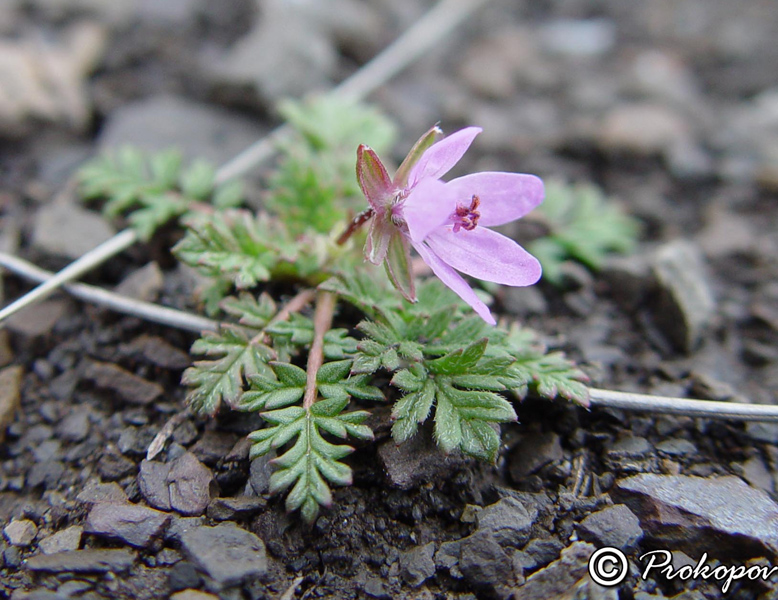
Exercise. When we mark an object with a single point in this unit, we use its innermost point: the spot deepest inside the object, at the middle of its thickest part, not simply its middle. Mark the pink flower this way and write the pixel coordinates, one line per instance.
(447, 223)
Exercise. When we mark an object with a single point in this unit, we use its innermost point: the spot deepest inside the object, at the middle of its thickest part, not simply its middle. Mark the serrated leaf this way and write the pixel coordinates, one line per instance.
(197, 181)
(411, 411)
(459, 361)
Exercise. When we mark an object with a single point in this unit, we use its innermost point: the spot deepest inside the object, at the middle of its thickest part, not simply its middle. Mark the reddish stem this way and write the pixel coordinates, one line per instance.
(322, 320)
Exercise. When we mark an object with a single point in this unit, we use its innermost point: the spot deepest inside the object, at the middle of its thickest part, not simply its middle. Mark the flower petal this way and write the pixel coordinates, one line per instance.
(504, 197)
(373, 179)
(454, 281)
(428, 207)
(485, 254)
(443, 155)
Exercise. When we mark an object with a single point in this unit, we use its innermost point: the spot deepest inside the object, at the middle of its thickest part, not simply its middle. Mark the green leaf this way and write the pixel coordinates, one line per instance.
(198, 180)
(458, 361)
(583, 225)
(411, 411)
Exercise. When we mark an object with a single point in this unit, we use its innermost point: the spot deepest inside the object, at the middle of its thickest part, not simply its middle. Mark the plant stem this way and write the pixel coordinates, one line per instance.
(322, 320)
(355, 224)
(129, 306)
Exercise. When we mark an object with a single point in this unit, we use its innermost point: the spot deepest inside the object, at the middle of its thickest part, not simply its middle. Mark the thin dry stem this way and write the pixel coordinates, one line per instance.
(322, 321)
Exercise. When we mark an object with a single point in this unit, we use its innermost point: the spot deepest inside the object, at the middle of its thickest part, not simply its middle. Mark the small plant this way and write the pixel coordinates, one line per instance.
(313, 375)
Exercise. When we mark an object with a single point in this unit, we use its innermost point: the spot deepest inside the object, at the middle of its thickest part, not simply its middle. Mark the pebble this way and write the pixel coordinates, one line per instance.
(644, 129)
(68, 230)
(615, 526)
(46, 474)
(143, 284)
(132, 524)
(677, 447)
(95, 492)
(542, 552)
(213, 446)
(193, 595)
(197, 130)
(75, 426)
(112, 466)
(416, 564)
(414, 462)
(157, 351)
(686, 306)
(534, 451)
(20, 533)
(508, 520)
(578, 37)
(484, 564)
(226, 553)
(557, 579)
(260, 471)
(128, 386)
(183, 575)
(755, 472)
(153, 484)
(10, 398)
(83, 561)
(230, 509)
(189, 482)
(39, 319)
(62, 541)
(723, 514)
(629, 446)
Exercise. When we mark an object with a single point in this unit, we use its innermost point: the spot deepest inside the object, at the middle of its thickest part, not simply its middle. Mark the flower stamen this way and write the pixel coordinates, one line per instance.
(466, 217)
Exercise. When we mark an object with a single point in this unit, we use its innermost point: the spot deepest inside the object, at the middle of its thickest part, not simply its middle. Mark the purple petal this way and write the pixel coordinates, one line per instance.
(485, 254)
(442, 155)
(428, 206)
(373, 179)
(504, 197)
(454, 280)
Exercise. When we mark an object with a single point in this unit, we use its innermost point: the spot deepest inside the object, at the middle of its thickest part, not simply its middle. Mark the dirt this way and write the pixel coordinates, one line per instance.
(555, 88)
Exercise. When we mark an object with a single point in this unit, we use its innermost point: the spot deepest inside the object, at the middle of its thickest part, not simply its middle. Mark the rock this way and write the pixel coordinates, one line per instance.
(766, 433)
(213, 446)
(230, 509)
(83, 561)
(74, 427)
(524, 301)
(153, 483)
(578, 38)
(629, 279)
(128, 386)
(10, 397)
(484, 563)
(629, 446)
(197, 130)
(39, 319)
(132, 524)
(756, 474)
(726, 233)
(47, 474)
(193, 595)
(158, 352)
(676, 447)
(226, 553)
(662, 75)
(184, 575)
(416, 564)
(722, 514)
(143, 284)
(95, 492)
(20, 533)
(614, 526)
(542, 552)
(418, 460)
(508, 520)
(561, 576)
(644, 129)
(685, 307)
(260, 471)
(112, 466)
(135, 441)
(68, 230)
(447, 557)
(189, 482)
(62, 541)
(44, 80)
(534, 450)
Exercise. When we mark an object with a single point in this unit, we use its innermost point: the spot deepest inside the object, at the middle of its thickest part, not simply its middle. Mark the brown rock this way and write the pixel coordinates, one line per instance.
(10, 384)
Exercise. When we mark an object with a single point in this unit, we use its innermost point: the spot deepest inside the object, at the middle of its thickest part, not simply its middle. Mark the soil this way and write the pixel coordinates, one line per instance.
(671, 107)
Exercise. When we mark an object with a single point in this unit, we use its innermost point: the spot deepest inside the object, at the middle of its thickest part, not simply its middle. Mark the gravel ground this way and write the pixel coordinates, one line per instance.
(670, 106)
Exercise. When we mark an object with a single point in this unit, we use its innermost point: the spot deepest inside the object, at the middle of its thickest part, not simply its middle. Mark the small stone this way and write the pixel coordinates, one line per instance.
(189, 482)
(644, 129)
(83, 561)
(75, 426)
(676, 447)
(542, 552)
(10, 385)
(411, 463)
(62, 541)
(534, 451)
(416, 564)
(374, 588)
(686, 305)
(561, 576)
(447, 557)
(615, 526)
(46, 474)
(578, 37)
(39, 319)
(20, 533)
(95, 492)
(756, 474)
(260, 471)
(68, 230)
(183, 575)
(132, 524)
(723, 514)
(12, 557)
(157, 352)
(484, 563)
(193, 595)
(508, 520)
(226, 553)
(629, 446)
(73, 589)
(143, 284)
(112, 466)
(127, 385)
(153, 483)
(231, 509)
(213, 446)
(763, 432)
(629, 278)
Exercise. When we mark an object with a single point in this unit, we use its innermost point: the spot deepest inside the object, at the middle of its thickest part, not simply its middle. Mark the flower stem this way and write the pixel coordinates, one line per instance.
(322, 320)
(355, 224)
